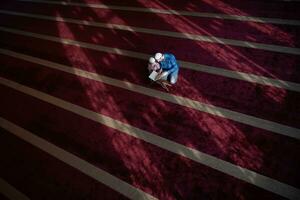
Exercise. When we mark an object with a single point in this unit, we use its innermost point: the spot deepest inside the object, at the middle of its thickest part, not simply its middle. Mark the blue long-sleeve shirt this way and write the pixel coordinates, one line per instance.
(169, 63)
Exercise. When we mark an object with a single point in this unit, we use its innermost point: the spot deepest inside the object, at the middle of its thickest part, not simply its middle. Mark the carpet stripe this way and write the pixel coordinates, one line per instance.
(244, 174)
(83, 166)
(214, 110)
(9, 191)
(189, 65)
(211, 39)
(175, 12)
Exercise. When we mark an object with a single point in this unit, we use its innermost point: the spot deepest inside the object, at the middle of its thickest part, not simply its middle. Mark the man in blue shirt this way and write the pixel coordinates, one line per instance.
(169, 66)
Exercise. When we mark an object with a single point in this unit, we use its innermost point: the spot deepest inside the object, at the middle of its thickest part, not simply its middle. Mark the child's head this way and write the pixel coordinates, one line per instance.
(151, 60)
(153, 65)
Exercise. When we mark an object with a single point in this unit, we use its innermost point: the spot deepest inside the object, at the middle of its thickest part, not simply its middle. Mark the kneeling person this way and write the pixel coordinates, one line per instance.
(155, 70)
(169, 66)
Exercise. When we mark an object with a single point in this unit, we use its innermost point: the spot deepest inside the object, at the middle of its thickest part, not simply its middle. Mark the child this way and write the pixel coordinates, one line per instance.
(154, 66)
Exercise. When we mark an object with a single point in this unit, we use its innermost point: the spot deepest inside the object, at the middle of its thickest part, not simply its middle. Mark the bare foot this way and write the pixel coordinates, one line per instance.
(165, 87)
(164, 84)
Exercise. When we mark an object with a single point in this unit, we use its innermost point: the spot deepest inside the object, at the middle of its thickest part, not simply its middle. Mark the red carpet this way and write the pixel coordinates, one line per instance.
(154, 170)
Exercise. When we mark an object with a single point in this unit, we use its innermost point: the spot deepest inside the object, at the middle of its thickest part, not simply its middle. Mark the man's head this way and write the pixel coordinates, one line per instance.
(159, 57)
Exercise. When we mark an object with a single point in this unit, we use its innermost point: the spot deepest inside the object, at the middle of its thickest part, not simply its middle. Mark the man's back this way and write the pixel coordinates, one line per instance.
(169, 62)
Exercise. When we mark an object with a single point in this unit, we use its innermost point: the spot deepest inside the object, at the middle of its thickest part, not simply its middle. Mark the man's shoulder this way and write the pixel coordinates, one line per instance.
(169, 55)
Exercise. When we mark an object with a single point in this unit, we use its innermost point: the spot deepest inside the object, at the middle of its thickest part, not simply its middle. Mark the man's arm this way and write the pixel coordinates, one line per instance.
(174, 65)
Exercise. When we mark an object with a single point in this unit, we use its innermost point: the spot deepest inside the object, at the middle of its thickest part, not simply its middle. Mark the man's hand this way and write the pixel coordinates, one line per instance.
(160, 75)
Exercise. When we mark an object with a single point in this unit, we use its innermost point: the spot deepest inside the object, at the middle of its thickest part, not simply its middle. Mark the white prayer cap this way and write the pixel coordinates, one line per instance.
(158, 56)
(151, 60)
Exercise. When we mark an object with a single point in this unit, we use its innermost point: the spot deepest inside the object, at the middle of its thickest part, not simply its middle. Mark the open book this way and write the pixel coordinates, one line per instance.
(153, 76)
